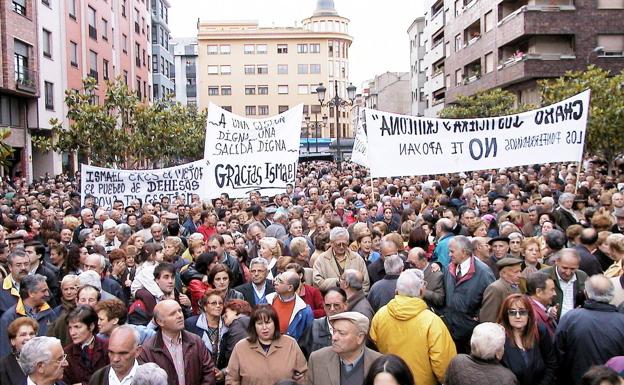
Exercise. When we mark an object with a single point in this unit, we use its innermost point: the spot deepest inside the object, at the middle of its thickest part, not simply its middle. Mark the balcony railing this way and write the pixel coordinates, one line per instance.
(26, 80)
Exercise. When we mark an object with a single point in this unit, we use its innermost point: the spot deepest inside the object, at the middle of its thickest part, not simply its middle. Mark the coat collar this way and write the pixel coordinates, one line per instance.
(299, 304)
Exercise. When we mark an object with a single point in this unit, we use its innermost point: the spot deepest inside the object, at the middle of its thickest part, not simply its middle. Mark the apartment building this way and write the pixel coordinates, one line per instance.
(262, 71)
(417, 73)
(513, 43)
(185, 63)
(162, 53)
(389, 92)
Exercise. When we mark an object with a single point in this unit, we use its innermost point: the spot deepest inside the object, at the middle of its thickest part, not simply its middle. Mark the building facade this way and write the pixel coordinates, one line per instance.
(163, 71)
(417, 73)
(389, 92)
(185, 63)
(258, 71)
(512, 44)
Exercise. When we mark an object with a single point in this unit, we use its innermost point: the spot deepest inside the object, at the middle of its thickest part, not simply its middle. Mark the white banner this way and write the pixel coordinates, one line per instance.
(359, 154)
(409, 145)
(108, 184)
(245, 155)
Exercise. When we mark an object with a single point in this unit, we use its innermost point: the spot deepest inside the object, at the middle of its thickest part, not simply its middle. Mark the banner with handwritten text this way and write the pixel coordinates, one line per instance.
(245, 155)
(107, 185)
(408, 145)
(359, 153)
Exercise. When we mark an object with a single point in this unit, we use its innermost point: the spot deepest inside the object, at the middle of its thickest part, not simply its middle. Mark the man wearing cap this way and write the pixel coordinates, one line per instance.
(500, 249)
(494, 295)
(406, 327)
(618, 227)
(348, 360)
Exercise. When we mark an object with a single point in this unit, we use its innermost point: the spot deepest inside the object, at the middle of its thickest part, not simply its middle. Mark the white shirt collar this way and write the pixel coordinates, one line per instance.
(465, 266)
(127, 380)
(561, 280)
(29, 381)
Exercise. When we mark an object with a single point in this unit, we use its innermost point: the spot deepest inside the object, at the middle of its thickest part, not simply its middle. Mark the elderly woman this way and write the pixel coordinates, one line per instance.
(266, 356)
(529, 351)
(515, 244)
(150, 374)
(271, 251)
(69, 295)
(531, 250)
(564, 214)
(87, 353)
(20, 331)
(482, 366)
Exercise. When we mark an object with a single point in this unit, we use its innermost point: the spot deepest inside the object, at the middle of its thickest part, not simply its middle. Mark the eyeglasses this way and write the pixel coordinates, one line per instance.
(341, 244)
(333, 305)
(215, 303)
(60, 360)
(517, 313)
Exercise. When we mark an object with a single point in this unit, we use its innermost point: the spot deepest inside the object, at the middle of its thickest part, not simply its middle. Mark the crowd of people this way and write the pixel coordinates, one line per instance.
(510, 276)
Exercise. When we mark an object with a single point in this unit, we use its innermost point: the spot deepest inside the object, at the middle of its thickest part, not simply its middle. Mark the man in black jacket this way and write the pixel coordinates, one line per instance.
(35, 251)
(216, 243)
(123, 350)
(255, 291)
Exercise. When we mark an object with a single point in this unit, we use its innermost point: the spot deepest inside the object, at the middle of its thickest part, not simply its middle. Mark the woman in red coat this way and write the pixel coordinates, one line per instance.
(87, 353)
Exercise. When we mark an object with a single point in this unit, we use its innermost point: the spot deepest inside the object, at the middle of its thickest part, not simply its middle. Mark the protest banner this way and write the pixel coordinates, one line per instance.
(107, 184)
(245, 155)
(359, 154)
(409, 145)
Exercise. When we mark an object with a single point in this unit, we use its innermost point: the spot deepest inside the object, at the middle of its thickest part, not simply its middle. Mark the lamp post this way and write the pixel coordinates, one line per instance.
(316, 125)
(336, 102)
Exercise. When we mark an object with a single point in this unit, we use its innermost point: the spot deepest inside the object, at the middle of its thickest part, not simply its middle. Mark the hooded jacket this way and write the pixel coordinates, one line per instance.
(407, 328)
(300, 319)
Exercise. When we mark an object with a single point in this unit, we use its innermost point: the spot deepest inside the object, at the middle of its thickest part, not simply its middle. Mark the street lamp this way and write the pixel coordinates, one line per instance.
(316, 125)
(336, 102)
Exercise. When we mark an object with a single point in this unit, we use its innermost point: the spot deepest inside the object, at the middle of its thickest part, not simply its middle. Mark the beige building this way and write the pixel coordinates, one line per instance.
(258, 71)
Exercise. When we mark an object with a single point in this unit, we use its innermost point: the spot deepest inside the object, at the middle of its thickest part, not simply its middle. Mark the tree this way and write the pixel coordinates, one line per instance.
(125, 132)
(484, 104)
(606, 109)
(5, 150)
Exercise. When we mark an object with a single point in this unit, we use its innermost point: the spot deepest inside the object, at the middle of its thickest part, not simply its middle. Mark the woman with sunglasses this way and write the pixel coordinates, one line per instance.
(529, 351)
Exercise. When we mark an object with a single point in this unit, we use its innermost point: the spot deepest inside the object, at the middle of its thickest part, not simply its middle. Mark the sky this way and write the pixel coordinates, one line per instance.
(378, 28)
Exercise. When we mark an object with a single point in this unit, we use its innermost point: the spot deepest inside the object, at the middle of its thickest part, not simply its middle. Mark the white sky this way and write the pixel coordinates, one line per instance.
(379, 28)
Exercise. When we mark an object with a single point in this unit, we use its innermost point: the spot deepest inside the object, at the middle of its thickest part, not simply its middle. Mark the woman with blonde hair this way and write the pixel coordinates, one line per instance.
(532, 252)
(616, 253)
(271, 251)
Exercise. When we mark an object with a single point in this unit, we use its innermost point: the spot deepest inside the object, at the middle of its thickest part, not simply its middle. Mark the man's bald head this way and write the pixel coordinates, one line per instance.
(599, 288)
(387, 247)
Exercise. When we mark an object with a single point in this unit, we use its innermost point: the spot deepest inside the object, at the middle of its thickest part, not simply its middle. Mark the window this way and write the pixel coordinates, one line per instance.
(49, 95)
(125, 75)
(282, 69)
(224, 49)
(330, 49)
(124, 43)
(250, 110)
(73, 53)
(72, 9)
(489, 62)
(213, 70)
(105, 69)
(155, 40)
(155, 66)
(250, 90)
(47, 43)
(489, 21)
(226, 70)
(458, 43)
(315, 68)
(282, 109)
(249, 49)
(263, 69)
(263, 110)
(302, 89)
(213, 49)
(104, 29)
(250, 69)
(123, 12)
(137, 28)
(458, 77)
(282, 48)
(610, 4)
(92, 25)
(263, 90)
(302, 48)
(213, 91)
(226, 90)
(613, 45)
(93, 64)
(261, 48)
(137, 53)
(19, 6)
(302, 69)
(282, 90)
(315, 48)
(331, 69)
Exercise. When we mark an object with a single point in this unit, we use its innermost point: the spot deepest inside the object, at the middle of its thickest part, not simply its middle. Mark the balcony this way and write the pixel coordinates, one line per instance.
(26, 80)
(437, 52)
(191, 90)
(191, 71)
(437, 81)
(536, 20)
(437, 22)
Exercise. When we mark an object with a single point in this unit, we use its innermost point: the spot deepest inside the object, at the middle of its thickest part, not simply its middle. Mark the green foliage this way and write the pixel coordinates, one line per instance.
(606, 110)
(5, 150)
(484, 104)
(125, 132)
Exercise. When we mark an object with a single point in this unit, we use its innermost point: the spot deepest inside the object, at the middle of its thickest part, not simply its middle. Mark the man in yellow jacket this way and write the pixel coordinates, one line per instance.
(407, 328)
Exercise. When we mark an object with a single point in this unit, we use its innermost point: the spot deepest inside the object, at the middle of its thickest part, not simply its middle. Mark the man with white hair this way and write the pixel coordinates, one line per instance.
(348, 359)
(351, 282)
(330, 265)
(108, 240)
(426, 352)
(43, 361)
(88, 219)
(482, 366)
(589, 335)
(277, 229)
(383, 291)
(150, 374)
(97, 263)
